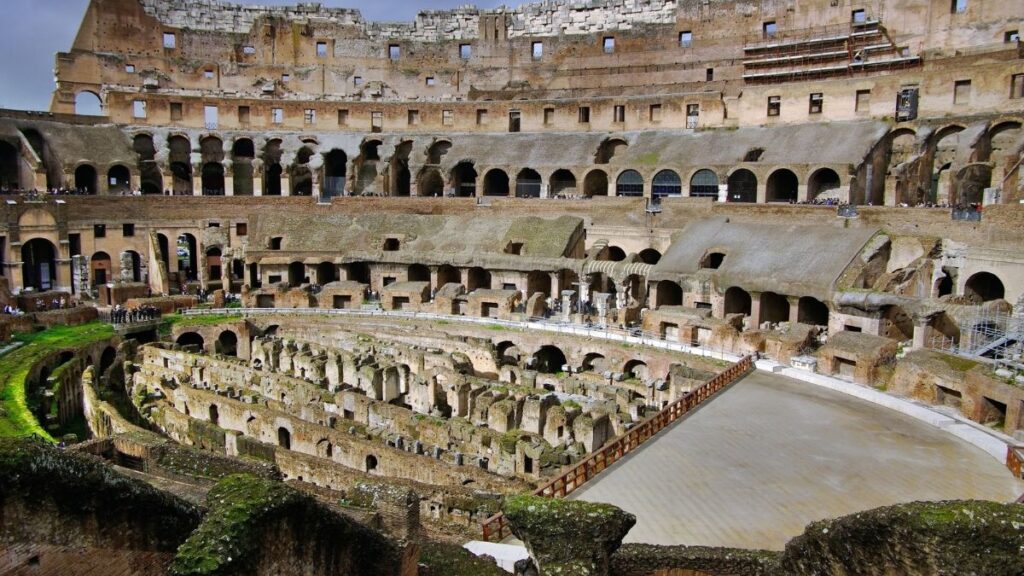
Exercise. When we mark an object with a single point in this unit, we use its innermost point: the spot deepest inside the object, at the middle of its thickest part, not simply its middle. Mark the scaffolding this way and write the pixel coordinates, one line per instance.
(994, 334)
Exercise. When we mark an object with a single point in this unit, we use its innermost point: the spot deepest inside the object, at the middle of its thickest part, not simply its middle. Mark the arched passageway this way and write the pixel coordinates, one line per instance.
(528, 183)
(742, 186)
(704, 184)
(649, 256)
(227, 343)
(669, 294)
(119, 180)
(595, 184)
(737, 301)
(39, 264)
(812, 311)
(85, 179)
(824, 183)
(190, 339)
(549, 360)
(464, 179)
(563, 183)
(667, 183)
(774, 308)
(984, 287)
(783, 186)
(629, 183)
(496, 183)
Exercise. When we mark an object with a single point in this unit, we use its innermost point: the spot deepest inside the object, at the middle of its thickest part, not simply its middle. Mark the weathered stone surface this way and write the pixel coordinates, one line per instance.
(568, 538)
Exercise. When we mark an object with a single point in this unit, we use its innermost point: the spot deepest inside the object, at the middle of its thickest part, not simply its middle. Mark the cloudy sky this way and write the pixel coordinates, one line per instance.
(35, 30)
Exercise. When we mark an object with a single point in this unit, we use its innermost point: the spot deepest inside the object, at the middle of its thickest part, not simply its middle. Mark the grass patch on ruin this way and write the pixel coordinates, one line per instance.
(449, 560)
(210, 320)
(16, 420)
(957, 363)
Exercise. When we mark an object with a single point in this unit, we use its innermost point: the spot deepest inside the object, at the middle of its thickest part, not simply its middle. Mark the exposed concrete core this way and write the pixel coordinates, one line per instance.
(770, 455)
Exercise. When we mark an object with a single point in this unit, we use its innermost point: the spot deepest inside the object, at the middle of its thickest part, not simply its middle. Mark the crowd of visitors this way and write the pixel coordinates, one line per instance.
(34, 193)
(121, 315)
(13, 310)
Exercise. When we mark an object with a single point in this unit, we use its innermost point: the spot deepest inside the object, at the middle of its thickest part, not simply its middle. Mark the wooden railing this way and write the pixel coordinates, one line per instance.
(496, 527)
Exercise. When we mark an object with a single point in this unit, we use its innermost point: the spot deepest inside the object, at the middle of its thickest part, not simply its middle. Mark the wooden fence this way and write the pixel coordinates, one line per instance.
(496, 527)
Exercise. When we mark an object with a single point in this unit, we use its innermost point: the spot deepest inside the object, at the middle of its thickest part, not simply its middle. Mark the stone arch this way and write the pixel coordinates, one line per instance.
(39, 145)
(100, 268)
(430, 183)
(214, 415)
(370, 463)
(528, 183)
(636, 368)
(549, 359)
(496, 183)
(284, 438)
(478, 278)
(243, 154)
(593, 361)
(447, 274)
(296, 274)
(401, 179)
(214, 272)
(325, 449)
(742, 185)
(704, 184)
(335, 173)
(88, 103)
(613, 253)
(609, 149)
(273, 171)
(180, 159)
(629, 183)
(227, 343)
(39, 264)
(507, 352)
(537, 281)
(783, 186)
(326, 272)
(669, 294)
(824, 181)
(667, 183)
(649, 256)
(188, 255)
(190, 339)
(984, 287)
(151, 179)
(595, 183)
(738, 301)
(812, 311)
(213, 179)
(211, 149)
(85, 179)
(463, 178)
(563, 182)
(943, 149)
(774, 307)
(437, 151)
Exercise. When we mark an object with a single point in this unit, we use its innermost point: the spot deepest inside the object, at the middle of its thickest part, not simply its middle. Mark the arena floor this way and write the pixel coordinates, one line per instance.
(755, 465)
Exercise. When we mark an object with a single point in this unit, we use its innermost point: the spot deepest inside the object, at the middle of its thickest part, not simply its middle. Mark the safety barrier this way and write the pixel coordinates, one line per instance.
(496, 527)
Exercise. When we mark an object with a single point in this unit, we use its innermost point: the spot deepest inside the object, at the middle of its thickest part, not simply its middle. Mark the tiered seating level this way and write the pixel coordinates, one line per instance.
(824, 52)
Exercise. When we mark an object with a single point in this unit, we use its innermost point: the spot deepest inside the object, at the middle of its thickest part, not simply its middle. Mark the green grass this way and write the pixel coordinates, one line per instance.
(210, 320)
(15, 418)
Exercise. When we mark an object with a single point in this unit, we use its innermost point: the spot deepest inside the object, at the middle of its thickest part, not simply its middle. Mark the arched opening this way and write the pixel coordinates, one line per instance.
(944, 286)
(107, 359)
(742, 186)
(213, 179)
(284, 438)
(464, 179)
(669, 294)
(214, 415)
(40, 146)
(10, 160)
(947, 141)
(478, 278)
(812, 311)
(190, 340)
(401, 179)
(629, 183)
(563, 183)
(39, 264)
(243, 153)
(712, 260)
(549, 360)
(595, 184)
(636, 370)
(667, 183)
(227, 343)
(704, 184)
(437, 151)
(100, 268)
(302, 181)
(824, 183)
(430, 183)
(593, 362)
(119, 180)
(358, 272)
(613, 254)
(738, 301)
(609, 149)
(782, 186)
(211, 149)
(88, 104)
(325, 449)
(774, 308)
(335, 173)
(496, 183)
(180, 158)
(296, 274)
(649, 256)
(419, 273)
(371, 463)
(365, 166)
(214, 272)
(537, 281)
(326, 272)
(188, 256)
(85, 179)
(528, 184)
(150, 177)
(984, 287)
(272, 169)
(135, 261)
(448, 275)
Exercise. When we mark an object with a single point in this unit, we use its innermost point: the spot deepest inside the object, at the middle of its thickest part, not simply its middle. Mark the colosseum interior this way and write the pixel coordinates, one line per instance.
(604, 287)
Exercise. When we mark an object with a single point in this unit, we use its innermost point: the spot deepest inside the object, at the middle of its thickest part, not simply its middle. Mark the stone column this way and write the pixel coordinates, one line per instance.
(229, 185)
(286, 184)
(555, 287)
(257, 185)
(723, 192)
(197, 183)
(755, 308)
(920, 334)
(794, 309)
(762, 193)
(63, 274)
(801, 193)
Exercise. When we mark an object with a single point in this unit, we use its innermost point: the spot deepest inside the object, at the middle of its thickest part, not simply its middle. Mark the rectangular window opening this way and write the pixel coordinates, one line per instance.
(430, 81)
(709, 75)
(129, 68)
(394, 51)
(774, 105)
(514, 118)
(816, 102)
(128, 230)
(208, 74)
(537, 50)
(1011, 36)
(414, 117)
(99, 231)
(176, 111)
(357, 80)
(376, 121)
(481, 117)
(863, 101)
(686, 39)
(170, 40)
(769, 29)
(962, 92)
(447, 117)
(584, 114)
(1017, 86)
(958, 6)
(342, 117)
(655, 113)
(277, 115)
(210, 114)
(244, 114)
(321, 49)
(549, 116)
(609, 44)
(309, 116)
(619, 114)
(248, 50)
(139, 109)
(241, 229)
(859, 16)
(465, 51)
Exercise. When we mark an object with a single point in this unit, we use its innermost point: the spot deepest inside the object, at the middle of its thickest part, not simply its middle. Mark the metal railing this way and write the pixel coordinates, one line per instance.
(496, 527)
